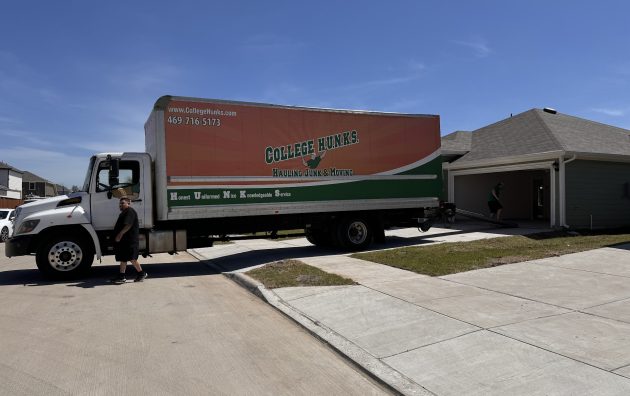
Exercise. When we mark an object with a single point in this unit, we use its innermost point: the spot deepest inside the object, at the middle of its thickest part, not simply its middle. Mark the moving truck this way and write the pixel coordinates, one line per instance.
(214, 168)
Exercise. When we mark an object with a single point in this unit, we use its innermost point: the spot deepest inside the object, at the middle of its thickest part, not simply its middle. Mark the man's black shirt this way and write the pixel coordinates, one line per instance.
(130, 217)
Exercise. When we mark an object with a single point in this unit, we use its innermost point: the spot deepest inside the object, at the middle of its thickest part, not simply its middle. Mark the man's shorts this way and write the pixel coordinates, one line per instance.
(126, 252)
(494, 206)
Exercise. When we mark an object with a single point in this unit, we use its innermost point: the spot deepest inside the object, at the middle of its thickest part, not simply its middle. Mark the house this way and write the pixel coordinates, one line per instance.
(62, 190)
(10, 182)
(559, 169)
(35, 186)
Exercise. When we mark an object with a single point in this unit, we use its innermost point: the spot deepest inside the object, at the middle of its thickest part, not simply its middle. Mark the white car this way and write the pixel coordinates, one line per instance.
(6, 223)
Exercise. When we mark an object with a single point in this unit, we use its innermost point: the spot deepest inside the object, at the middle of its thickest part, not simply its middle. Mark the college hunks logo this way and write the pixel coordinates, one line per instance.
(312, 153)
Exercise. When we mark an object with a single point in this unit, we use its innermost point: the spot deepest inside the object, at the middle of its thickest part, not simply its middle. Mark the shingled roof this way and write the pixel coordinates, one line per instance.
(537, 131)
(456, 143)
(32, 178)
(4, 165)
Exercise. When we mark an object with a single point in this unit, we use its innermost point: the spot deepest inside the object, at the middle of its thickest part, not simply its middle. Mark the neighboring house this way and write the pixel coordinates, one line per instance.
(62, 190)
(33, 185)
(10, 182)
(563, 170)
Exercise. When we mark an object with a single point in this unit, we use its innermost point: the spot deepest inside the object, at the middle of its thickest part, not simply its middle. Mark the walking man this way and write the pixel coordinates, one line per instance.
(494, 201)
(126, 246)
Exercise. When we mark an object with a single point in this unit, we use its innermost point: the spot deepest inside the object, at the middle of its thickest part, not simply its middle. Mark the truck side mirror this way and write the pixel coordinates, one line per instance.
(113, 181)
(114, 167)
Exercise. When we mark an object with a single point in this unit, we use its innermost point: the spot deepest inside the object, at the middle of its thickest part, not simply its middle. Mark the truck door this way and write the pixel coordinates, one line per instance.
(104, 210)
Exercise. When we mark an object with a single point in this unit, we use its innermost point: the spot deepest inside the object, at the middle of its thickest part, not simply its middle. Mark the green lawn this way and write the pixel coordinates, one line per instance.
(450, 258)
(288, 273)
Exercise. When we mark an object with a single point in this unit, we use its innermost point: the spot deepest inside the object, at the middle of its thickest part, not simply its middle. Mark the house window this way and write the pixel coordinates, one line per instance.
(31, 186)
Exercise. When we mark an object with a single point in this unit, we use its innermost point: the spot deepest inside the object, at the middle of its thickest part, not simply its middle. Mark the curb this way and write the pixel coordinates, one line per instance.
(370, 365)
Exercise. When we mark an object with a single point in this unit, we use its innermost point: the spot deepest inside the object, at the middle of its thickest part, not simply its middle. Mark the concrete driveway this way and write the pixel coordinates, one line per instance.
(186, 330)
(554, 326)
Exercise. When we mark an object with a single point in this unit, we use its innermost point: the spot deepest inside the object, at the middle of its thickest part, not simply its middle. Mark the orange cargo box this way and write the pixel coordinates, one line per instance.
(221, 158)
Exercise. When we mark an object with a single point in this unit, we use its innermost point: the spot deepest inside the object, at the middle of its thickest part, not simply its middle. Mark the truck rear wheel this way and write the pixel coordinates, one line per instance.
(319, 238)
(354, 233)
(64, 256)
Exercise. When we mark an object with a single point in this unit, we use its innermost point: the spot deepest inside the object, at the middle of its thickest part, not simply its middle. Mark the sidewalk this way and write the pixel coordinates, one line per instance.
(552, 326)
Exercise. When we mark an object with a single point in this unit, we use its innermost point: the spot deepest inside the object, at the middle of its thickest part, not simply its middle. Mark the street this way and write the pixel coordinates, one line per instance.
(185, 330)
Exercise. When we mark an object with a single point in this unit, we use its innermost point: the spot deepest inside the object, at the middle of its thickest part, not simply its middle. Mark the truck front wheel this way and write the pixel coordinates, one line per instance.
(64, 256)
(354, 234)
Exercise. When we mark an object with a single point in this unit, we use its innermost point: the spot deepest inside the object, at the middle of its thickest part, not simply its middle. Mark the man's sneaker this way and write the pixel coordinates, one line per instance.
(141, 276)
(120, 279)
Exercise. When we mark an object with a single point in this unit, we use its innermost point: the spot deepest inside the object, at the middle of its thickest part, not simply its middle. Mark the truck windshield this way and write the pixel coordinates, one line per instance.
(88, 176)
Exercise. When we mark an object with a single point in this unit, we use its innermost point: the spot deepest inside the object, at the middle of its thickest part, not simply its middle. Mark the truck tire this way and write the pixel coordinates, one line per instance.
(64, 256)
(4, 234)
(354, 233)
(319, 238)
(426, 226)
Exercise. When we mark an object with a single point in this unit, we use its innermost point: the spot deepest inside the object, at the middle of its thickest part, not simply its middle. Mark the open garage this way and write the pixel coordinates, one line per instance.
(557, 169)
(525, 195)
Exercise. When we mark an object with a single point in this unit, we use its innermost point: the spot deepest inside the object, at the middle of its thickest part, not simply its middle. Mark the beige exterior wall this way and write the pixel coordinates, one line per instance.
(15, 185)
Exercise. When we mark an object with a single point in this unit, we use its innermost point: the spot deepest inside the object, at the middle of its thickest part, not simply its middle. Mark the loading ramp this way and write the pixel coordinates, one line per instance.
(479, 216)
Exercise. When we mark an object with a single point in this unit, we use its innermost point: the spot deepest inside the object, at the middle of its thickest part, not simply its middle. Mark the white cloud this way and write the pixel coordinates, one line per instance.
(116, 126)
(21, 136)
(54, 166)
(410, 71)
(611, 112)
(120, 139)
(478, 45)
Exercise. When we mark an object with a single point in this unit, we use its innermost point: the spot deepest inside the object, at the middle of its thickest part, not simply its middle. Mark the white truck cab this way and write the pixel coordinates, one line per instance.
(66, 232)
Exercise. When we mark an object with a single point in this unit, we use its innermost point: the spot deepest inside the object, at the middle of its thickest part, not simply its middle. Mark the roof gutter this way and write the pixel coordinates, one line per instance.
(514, 159)
(600, 156)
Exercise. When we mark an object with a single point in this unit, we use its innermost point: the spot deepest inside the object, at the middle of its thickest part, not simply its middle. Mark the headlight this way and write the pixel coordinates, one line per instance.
(28, 226)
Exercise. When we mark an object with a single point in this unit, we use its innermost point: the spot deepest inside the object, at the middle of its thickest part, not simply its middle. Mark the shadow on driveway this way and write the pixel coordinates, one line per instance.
(622, 246)
(100, 275)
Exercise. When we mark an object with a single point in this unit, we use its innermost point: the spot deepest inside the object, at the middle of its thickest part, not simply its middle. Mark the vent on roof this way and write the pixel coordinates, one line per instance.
(550, 110)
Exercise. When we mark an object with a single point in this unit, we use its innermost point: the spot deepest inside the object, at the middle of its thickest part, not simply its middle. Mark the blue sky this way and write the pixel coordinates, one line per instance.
(80, 77)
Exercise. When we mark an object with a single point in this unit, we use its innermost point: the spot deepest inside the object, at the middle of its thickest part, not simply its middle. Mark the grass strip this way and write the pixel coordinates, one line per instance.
(291, 273)
(450, 258)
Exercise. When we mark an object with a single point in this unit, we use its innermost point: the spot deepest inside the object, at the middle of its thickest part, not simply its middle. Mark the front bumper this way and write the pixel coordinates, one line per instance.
(18, 245)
